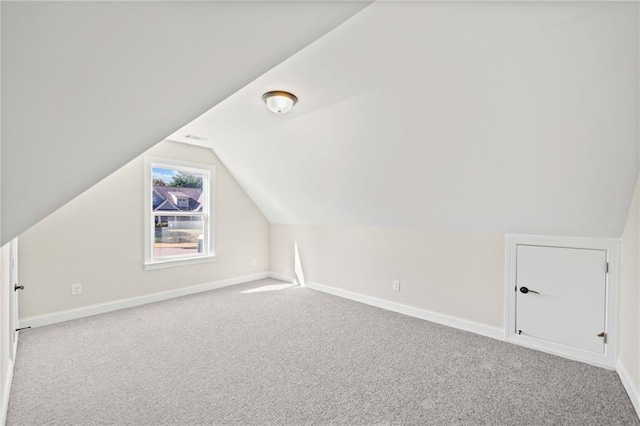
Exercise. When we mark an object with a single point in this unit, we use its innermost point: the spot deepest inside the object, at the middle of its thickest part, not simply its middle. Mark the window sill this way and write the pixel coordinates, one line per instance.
(160, 264)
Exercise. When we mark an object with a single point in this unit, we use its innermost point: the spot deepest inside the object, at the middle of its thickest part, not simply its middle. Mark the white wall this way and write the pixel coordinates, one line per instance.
(97, 240)
(106, 80)
(5, 284)
(498, 117)
(629, 346)
(457, 274)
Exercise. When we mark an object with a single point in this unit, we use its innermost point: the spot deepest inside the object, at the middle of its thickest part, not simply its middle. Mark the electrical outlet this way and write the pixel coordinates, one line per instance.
(396, 285)
(76, 289)
(254, 262)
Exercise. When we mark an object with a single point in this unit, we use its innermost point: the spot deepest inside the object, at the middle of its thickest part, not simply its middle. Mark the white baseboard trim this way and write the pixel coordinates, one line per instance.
(6, 390)
(55, 317)
(575, 354)
(630, 387)
(15, 345)
(459, 323)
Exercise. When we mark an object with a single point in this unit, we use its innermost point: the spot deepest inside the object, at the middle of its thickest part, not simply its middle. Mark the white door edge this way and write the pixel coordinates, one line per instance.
(612, 247)
(13, 297)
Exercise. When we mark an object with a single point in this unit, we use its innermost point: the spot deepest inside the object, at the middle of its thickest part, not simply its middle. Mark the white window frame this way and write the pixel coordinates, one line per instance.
(208, 191)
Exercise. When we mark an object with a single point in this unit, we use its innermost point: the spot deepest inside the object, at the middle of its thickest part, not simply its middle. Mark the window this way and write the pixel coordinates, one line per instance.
(178, 206)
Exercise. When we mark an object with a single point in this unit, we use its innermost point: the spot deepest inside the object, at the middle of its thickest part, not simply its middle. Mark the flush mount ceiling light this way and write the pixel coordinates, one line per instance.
(279, 101)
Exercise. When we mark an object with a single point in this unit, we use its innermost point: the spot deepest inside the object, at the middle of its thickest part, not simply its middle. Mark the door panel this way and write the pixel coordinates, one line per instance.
(13, 296)
(570, 306)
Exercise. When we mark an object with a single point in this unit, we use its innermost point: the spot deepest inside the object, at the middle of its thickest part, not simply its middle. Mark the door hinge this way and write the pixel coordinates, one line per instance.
(604, 336)
(606, 267)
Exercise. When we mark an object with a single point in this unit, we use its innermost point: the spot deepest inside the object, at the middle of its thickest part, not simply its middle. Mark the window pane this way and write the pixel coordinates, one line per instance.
(177, 190)
(179, 236)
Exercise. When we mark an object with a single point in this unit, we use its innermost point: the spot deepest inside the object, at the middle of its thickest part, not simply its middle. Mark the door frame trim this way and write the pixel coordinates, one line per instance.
(13, 297)
(612, 247)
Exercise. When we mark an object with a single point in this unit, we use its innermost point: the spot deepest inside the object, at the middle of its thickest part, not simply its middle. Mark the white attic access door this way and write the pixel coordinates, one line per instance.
(561, 296)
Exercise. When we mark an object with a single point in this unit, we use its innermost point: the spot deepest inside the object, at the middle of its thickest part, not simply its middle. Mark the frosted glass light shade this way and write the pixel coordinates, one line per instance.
(279, 102)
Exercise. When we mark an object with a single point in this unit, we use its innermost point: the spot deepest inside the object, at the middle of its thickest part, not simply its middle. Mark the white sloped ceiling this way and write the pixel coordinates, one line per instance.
(496, 117)
(87, 86)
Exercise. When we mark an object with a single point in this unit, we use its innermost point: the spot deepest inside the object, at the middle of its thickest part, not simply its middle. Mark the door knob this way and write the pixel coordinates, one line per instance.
(18, 287)
(525, 290)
